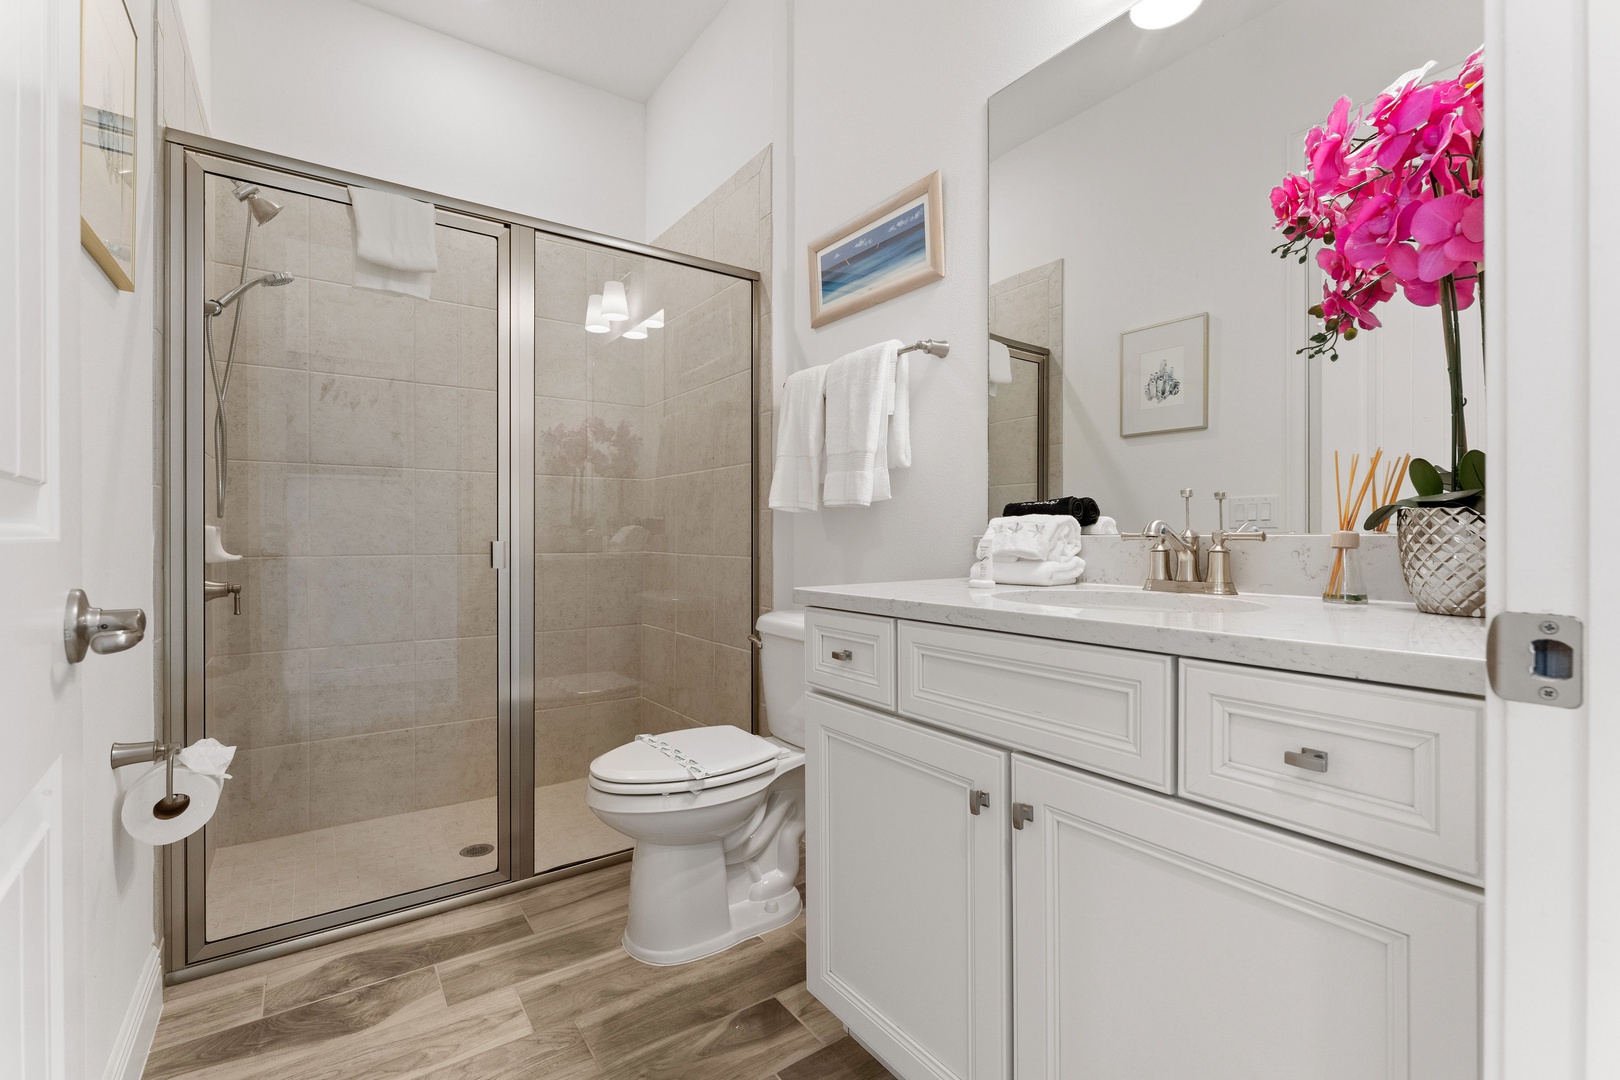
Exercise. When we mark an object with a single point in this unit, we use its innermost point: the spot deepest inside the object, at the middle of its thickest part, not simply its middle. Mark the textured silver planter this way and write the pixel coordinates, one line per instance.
(1443, 559)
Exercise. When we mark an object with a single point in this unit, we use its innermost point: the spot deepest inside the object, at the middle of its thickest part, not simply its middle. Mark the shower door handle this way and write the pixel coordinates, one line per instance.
(87, 629)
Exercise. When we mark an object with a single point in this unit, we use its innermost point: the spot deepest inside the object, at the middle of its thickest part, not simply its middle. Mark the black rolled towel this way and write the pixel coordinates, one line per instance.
(1079, 507)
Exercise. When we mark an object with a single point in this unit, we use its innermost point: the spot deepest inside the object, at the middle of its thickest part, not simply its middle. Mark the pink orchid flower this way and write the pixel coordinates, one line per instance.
(1451, 232)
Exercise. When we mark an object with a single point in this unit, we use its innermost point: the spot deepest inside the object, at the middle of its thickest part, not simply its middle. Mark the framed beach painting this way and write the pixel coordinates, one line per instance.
(888, 251)
(1164, 377)
(107, 139)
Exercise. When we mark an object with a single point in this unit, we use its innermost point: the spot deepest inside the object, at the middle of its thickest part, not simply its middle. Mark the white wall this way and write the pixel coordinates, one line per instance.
(197, 18)
(714, 111)
(883, 94)
(340, 84)
(1158, 199)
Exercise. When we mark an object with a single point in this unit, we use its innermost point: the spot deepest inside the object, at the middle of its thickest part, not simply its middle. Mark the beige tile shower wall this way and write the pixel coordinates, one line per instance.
(695, 638)
(360, 679)
(1028, 307)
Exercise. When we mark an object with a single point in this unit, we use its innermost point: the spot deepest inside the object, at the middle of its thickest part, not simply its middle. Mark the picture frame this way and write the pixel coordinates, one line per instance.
(107, 139)
(1164, 377)
(889, 250)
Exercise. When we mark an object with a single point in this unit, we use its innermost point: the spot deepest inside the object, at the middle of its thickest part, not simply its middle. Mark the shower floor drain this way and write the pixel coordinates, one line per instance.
(472, 851)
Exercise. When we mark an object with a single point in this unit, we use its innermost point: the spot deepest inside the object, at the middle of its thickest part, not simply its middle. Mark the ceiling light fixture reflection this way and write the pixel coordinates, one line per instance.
(615, 308)
(594, 320)
(655, 321)
(1158, 14)
(636, 332)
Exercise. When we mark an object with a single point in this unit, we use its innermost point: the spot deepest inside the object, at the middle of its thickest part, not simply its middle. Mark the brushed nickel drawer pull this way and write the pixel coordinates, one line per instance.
(843, 654)
(1306, 758)
(977, 800)
(1022, 812)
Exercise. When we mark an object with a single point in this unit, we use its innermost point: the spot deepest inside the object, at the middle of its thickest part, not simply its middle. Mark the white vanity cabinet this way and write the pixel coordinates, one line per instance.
(983, 904)
(910, 932)
(1152, 938)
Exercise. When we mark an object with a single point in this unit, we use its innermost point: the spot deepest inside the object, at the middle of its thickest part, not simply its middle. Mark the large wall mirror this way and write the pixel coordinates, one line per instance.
(1131, 237)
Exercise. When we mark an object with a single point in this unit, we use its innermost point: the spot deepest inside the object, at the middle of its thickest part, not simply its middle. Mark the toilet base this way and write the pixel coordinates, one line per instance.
(749, 918)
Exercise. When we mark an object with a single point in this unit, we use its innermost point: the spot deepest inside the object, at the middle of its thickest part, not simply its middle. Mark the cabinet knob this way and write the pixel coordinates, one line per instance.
(1022, 812)
(1306, 758)
(843, 654)
(977, 800)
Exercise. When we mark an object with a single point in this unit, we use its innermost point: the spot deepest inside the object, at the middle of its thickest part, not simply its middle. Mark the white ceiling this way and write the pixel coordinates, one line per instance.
(625, 47)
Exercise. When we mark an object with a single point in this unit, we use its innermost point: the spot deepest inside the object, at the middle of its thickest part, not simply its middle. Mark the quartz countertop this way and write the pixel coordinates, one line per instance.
(1377, 642)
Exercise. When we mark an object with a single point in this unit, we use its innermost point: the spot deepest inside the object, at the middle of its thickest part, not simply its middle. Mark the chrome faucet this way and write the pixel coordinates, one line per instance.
(1185, 574)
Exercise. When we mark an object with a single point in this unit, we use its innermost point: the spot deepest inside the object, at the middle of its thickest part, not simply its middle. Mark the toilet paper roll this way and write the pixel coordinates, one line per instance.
(137, 815)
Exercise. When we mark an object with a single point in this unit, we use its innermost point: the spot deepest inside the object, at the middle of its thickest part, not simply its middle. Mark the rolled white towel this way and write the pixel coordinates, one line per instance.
(1036, 537)
(1046, 572)
(1103, 526)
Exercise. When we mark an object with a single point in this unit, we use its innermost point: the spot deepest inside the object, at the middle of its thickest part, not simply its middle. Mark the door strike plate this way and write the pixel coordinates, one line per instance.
(1536, 658)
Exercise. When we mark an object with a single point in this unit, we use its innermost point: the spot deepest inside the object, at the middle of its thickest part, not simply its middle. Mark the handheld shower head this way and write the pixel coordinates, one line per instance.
(276, 280)
(261, 207)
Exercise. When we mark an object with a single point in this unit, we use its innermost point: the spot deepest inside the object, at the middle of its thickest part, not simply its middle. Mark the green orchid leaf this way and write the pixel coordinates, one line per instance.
(1425, 477)
(1471, 470)
(1473, 498)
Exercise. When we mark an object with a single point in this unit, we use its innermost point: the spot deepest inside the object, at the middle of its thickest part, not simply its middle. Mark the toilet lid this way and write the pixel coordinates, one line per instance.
(723, 753)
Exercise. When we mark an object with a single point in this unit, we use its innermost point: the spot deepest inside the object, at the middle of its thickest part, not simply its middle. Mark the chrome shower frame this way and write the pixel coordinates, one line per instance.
(188, 160)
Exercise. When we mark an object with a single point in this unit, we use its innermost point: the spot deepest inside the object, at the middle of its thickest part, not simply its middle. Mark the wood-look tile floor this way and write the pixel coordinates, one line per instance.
(532, 985)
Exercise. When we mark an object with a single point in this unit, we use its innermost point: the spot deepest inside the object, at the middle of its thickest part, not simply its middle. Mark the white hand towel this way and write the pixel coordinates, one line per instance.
(1035, 537)
(1048, 572)
(861, 393)
(394, 246)
(894, 451)
(1103, 526)
(999, 366)
(796, 483)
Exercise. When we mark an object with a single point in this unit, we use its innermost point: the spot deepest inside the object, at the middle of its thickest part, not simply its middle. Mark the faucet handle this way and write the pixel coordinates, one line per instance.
(1186, 495)
(1220, 511)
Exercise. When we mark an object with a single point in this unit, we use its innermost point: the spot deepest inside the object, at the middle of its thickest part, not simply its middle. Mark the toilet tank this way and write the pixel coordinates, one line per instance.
(781, 667)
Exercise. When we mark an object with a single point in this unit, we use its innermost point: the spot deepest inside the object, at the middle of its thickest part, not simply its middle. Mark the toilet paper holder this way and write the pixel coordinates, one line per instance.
(134, 753)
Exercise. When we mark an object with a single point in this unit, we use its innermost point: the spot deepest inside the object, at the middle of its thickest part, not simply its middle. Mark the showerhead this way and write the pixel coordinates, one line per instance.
(279, 278)
(261, 207)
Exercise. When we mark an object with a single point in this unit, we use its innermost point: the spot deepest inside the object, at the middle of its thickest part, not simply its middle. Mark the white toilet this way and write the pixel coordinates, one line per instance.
(716, 814)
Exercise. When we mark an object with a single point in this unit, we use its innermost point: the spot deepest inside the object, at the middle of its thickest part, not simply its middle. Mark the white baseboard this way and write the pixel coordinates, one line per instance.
(134, 1042)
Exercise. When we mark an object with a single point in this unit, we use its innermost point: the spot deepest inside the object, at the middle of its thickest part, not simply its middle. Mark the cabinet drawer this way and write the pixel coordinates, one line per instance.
(1109, 710)
(1395, 772)
(850, 655)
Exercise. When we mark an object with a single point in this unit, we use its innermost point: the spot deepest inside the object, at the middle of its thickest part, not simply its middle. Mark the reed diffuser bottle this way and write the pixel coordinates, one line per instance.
(1347, 584)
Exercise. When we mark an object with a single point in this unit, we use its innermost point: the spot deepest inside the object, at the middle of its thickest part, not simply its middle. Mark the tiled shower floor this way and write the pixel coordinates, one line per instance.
(267, 882)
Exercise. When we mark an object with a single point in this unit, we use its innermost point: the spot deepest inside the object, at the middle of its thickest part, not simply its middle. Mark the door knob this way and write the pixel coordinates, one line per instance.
(100, 630)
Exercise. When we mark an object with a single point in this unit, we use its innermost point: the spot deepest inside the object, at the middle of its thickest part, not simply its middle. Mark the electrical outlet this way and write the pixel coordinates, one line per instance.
(1261, 511)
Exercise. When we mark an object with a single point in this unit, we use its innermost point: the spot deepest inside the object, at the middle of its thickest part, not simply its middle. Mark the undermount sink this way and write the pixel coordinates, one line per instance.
(1123, 599)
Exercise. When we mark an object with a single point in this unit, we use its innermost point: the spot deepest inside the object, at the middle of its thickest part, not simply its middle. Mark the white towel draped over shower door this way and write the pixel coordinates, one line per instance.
(394, 246)
(865, 389)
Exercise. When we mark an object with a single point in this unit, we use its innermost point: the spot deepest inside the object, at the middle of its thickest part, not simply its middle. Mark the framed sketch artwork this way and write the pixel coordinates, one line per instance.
(107, 139)
(1164, 377)
(886, 251)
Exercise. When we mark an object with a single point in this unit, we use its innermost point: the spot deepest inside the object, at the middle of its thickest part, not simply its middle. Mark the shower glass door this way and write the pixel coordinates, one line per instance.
(349, 497)
(428, 556)
(643, 524)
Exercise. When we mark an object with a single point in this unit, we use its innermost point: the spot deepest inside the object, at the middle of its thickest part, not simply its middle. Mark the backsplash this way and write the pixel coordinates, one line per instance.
(1285, 564)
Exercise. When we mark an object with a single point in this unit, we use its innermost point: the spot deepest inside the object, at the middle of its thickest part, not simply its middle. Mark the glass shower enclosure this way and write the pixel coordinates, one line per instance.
(428, 555)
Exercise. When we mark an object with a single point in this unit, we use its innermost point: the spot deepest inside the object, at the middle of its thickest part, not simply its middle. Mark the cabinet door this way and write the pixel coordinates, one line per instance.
(1153, 938)
(908, 915)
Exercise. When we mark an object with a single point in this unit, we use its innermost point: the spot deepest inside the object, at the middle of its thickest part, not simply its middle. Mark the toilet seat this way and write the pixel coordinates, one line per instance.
(722, 755)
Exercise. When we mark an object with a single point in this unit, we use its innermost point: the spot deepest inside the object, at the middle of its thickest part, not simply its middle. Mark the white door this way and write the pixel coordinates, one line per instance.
(1153, 938)
(908, 919)
(39, 530)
